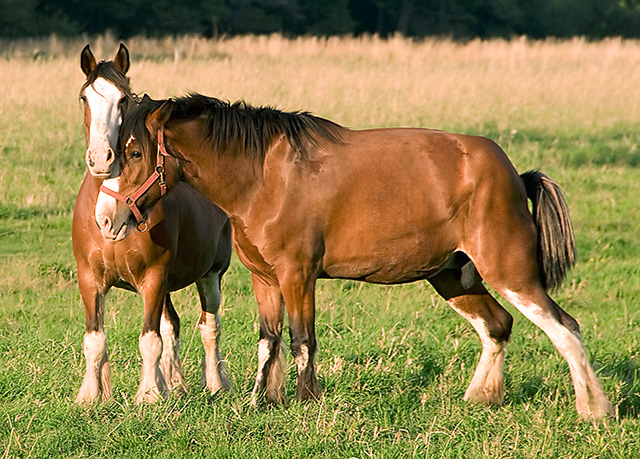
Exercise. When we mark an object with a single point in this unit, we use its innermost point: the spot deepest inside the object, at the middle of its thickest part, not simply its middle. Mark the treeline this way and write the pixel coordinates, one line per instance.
(458, 19)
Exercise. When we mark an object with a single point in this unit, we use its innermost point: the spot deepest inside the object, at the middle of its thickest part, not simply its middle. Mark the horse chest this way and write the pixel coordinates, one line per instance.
(121, 261)
(248, 250)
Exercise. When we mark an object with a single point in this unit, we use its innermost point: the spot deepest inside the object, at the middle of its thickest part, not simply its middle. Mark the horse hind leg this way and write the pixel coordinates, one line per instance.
(170, 363)
(507, 261)
(564, 333)
(214, 374)
(493, 325)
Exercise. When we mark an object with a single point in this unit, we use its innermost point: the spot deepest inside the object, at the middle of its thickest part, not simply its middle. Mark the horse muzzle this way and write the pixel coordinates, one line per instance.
(110, 232)
(113, 218)
(102, 164)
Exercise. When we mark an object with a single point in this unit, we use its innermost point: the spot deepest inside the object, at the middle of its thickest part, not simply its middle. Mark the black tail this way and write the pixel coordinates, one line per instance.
(556, 246)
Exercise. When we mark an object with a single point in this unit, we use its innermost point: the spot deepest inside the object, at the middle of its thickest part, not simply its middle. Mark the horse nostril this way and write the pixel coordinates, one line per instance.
(110, 155)
(105, 222)
(91, 162)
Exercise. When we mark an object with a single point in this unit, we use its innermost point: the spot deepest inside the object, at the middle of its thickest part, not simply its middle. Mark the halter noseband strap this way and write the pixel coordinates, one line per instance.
(157, 175)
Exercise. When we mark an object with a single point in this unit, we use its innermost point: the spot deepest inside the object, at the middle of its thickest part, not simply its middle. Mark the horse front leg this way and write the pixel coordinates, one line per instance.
(270, 377)
(170, 363)
(152, 382)
(97, 377)
(299, 296)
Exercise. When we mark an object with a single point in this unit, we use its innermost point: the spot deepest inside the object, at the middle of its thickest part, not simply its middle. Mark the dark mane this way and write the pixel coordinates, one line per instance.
(240, 128)
(108, 71)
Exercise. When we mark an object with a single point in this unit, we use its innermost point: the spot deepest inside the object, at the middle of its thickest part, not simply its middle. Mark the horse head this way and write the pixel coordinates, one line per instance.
(127, 200)
(106, 94)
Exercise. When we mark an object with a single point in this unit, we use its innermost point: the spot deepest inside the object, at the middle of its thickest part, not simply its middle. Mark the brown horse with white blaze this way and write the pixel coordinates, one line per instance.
(188, 240)
(310, 199)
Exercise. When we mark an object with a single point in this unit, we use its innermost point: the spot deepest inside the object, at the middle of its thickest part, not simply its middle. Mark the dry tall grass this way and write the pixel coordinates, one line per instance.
(362, 82)
(552, 86)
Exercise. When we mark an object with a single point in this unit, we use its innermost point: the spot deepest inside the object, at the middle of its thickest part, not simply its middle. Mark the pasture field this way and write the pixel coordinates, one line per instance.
(394, 361)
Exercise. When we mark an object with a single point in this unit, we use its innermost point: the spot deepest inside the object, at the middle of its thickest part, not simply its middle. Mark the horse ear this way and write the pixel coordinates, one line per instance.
(122, 60)
(156, 120)
(87, 60)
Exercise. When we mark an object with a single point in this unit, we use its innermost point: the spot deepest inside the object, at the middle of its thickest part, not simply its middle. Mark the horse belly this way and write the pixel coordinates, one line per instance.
(402, 240)
(195, 227)
(387, 261)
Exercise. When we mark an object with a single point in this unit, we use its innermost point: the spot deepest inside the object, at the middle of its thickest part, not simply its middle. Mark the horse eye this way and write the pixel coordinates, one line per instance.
(135, 154)
(122, 102)
(83, 99)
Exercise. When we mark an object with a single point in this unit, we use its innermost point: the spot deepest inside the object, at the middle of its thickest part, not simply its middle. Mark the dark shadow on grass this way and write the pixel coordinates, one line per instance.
(429, 370)
(628, 372)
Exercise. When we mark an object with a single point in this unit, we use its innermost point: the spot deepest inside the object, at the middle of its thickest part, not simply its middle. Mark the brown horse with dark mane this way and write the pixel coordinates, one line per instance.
(310, 199)
(188, 240)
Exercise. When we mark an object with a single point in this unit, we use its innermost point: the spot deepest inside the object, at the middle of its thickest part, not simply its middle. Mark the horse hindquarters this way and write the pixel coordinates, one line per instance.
(203, 245)
(170, 363)
(507, 259)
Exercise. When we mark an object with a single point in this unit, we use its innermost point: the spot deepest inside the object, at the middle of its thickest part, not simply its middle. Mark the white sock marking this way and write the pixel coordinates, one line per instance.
(213, 368)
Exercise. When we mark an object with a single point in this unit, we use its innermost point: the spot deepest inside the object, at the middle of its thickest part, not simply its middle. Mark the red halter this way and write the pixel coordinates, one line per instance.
(158, 174)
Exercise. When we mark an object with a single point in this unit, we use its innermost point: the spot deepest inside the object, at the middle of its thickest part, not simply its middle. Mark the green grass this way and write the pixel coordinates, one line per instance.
(394, 362)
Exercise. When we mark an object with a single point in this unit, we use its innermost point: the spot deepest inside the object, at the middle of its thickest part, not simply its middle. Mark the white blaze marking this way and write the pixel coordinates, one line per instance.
(113, 184)
(131, 139)
(106, 206)
(102, 98)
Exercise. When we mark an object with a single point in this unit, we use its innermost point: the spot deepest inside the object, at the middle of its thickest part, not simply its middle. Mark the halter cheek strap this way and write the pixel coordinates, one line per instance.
(157, 175)
(162, 153)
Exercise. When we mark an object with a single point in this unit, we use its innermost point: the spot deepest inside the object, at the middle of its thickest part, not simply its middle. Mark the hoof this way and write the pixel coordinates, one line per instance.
(87, 398)
(484, 396)
(306, 392)
(601, 410)
(265, 397)
(147, 397)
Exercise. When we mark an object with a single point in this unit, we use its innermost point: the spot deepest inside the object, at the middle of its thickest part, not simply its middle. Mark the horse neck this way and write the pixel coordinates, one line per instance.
(229, 179)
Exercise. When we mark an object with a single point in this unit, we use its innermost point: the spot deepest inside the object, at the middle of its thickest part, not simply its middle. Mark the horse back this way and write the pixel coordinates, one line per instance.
(391, 205)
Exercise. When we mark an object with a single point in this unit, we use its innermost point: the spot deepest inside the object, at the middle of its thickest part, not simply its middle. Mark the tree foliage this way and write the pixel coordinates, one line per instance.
(460, 19)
